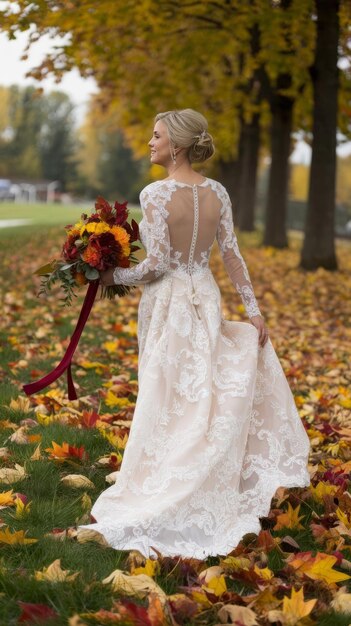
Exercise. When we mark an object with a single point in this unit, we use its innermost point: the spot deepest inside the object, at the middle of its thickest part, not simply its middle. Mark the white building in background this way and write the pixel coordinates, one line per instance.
(29, 190)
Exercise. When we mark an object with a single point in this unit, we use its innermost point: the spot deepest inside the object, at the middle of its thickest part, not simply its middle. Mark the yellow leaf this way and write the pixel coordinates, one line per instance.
(151, 568)
(343, 517)
(36, 456)
(264, 572)
(216, 585)
(7, 498)
(112, 400)
(131, 327)
(265, 600)
(295, 606)
(44, 419)
(201, 598)
(99, 367)
(115, 440)
(86, 502)
(21, 509)
(294, 610)
(141, 585)
(321, 490)
(16, 538)
(318, 567)
(210, 572)
(54, 573)
(111, 346)
(235, 563)
(321, 569)
(21, 404)
(289, 519)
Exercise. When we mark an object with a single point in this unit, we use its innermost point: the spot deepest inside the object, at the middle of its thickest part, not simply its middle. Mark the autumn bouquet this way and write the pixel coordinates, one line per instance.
(99, 241)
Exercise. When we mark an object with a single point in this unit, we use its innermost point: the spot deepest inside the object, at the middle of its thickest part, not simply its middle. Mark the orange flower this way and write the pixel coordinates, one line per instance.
(122, 237)
(80, 279)
(92, 256)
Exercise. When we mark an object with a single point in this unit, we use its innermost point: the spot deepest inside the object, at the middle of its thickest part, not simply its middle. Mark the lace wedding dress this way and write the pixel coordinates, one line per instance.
(215, 430)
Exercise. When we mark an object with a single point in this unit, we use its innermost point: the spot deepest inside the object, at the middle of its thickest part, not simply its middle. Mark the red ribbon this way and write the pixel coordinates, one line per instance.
(65, 364)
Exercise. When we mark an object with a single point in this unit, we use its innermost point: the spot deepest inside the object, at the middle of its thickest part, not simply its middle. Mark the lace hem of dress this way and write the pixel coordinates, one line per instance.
(186, 547)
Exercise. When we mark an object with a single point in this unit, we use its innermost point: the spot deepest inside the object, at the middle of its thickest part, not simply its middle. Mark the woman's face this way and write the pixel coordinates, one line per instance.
(160, 145)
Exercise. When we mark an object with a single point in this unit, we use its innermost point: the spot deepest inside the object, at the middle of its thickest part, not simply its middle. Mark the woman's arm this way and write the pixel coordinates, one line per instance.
(236, 266)
(158, 252)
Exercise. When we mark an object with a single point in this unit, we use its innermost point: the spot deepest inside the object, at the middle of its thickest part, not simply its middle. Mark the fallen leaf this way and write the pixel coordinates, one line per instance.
(77, 481)
(140, 585)
(289, 519)
(54, 573)
(7, 498)
(9, 475)
(236, 614)
(294, 609)
(35, 613)
(16, 538)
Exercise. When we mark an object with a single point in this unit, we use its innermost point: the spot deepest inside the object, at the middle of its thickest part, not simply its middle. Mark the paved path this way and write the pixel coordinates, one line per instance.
(18, 222)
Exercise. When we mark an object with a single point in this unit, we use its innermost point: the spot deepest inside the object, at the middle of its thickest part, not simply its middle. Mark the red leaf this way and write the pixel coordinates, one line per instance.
(89, 419)
(34, 613)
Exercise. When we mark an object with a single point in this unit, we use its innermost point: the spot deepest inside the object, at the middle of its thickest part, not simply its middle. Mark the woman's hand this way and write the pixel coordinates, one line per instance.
(258, 322)
(106, 277)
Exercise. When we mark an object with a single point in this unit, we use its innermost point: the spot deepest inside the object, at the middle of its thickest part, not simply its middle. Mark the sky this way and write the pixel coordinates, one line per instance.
(13, 70)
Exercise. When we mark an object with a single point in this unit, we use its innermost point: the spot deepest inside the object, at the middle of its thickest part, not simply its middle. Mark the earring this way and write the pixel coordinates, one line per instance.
(174, 157)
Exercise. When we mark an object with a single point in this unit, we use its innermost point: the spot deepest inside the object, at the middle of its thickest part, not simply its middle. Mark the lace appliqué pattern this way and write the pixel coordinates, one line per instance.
(215, 430)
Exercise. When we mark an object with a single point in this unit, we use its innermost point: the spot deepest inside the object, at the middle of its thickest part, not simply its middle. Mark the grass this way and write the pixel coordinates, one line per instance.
(40, 214)
(32, 340)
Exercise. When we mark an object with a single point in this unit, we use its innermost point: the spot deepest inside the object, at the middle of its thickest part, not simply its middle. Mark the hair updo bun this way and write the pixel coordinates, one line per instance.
(188, 129)
(202, 147)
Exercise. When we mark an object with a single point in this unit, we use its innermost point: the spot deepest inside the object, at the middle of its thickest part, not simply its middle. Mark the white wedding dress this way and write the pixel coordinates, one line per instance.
(215, 430)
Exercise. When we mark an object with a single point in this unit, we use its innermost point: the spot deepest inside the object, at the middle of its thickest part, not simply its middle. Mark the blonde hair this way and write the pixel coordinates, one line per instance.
(188, 129)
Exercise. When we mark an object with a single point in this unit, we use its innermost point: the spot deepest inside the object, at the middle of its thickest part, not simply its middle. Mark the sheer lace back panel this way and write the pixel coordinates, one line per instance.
(193, 218)
(179, 226)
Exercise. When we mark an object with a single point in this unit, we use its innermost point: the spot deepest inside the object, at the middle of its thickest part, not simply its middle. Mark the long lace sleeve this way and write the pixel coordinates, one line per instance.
(233, 261)
(157, 246)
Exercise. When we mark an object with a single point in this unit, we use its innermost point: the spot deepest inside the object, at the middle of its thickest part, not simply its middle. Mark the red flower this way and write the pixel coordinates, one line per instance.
(69, 250)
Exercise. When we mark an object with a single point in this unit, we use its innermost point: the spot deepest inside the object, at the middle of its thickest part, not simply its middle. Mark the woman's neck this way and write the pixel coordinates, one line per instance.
(183, 172)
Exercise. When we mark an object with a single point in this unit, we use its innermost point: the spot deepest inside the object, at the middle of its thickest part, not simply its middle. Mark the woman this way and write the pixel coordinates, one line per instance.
(215, 430)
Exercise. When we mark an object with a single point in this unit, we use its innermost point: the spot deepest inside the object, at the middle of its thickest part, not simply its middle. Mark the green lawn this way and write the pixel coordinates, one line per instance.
(49, 214)
(309, 320)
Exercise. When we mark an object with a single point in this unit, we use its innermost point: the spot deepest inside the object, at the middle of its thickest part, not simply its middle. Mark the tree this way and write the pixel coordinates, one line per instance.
(106, 164)
(56, 140)
(36, 135)
(198, 54)
(318, 247)
(19, 154)
(285, 64)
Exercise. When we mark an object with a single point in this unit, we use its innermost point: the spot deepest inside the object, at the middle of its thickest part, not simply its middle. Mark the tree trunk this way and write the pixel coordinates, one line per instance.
(248, 174)
(319, 248)
(230, 173)
(276, 204)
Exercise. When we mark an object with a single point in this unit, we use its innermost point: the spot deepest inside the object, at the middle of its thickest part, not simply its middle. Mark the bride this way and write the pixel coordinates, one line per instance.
(215, 430)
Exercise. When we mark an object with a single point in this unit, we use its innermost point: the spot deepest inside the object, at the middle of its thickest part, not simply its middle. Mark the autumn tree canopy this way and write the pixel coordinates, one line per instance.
(237, 61)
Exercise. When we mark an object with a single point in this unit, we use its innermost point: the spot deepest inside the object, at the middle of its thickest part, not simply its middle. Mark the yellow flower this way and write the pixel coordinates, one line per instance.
(95, 227)
(75, 230)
